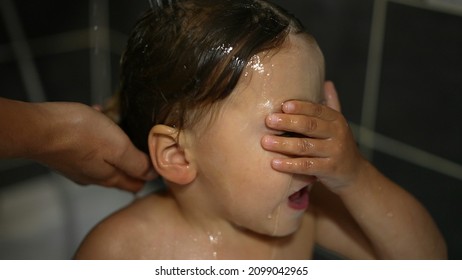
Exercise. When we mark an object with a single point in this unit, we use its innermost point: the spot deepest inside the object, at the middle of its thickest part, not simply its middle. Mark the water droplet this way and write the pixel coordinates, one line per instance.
(226, 49)
(390, 214)
(270, 216)
(145, 48)
(214, 239)
(256, 64)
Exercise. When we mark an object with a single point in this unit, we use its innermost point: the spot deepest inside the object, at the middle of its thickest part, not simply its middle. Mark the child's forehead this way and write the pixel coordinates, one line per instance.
(294, 71)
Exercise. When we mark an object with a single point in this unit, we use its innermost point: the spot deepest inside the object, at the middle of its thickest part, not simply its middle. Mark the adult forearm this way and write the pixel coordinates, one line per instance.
(22, 126)
(397, 225)
(75, 140)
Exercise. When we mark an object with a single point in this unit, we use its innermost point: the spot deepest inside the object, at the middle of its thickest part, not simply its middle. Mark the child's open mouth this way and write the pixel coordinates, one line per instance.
(300, 199)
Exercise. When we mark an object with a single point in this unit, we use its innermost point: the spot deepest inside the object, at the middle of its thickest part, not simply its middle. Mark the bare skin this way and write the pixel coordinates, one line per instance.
(75, 140)
(165, 234)
(330, 154)
(349, 210)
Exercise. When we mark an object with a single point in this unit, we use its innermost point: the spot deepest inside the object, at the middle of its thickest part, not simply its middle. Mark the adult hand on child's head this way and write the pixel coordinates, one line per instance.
(89, 148)
(325, 148)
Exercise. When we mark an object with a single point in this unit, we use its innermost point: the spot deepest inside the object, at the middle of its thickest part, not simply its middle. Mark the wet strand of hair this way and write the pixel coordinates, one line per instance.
(159, 4)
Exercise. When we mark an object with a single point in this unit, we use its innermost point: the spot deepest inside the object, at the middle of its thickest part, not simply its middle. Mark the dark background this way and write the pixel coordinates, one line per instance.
(416, 119)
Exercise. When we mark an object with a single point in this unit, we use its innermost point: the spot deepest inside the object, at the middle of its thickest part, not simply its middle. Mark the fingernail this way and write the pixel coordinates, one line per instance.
(151, 175)
(288, 107)
(277, 162)
(273, 120)
(269, 141)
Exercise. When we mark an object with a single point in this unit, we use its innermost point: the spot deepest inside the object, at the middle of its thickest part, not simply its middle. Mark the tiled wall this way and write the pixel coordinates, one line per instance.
(419, 105)
(398, 68)
(401, 90)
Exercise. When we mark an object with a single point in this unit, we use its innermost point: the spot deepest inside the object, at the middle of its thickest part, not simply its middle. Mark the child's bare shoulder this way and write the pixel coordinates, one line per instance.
(128, 233)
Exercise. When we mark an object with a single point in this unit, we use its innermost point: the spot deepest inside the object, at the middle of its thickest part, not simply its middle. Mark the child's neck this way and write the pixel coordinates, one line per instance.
(219, 239)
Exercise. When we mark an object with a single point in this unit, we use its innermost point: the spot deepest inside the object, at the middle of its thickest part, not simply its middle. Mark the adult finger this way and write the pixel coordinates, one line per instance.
(135, 164)
(123, 181)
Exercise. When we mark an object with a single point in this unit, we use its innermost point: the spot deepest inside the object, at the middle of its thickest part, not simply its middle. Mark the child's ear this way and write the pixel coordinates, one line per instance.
(168, 157)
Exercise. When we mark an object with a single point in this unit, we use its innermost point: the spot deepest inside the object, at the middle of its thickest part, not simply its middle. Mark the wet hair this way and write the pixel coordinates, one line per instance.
(184, 56)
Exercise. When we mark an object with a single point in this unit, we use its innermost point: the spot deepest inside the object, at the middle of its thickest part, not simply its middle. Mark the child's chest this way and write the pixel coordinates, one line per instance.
(296, 246)
(180, 242)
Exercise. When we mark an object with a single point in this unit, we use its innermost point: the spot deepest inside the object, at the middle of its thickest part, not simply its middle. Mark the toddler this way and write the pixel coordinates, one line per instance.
(226, 97)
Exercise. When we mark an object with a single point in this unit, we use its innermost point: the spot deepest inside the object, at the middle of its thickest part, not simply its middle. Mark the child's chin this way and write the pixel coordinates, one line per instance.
(274, 230)
(281, 231)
